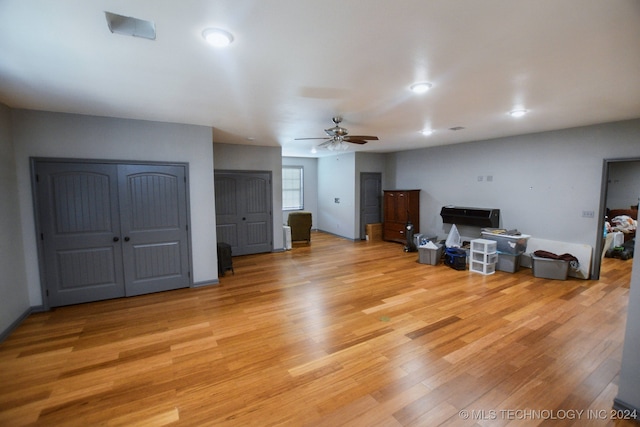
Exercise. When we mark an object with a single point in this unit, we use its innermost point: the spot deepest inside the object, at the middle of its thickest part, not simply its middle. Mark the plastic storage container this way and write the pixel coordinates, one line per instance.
(508, 263)
(548, 268)
(482, 267)
(491, 258)
(484, 246)
(456, 258)
(430, 256)
(513, 245)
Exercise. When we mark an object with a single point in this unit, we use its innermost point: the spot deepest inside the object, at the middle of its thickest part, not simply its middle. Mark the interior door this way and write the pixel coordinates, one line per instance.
(243, 211)
(370, 195)
(111, 230)
(79, 225)
(153, 206)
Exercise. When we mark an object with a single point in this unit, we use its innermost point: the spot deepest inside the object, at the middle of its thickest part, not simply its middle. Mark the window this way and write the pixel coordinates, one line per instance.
(292, 194)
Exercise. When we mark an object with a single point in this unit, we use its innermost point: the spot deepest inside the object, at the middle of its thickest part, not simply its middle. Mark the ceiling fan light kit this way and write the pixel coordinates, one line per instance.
(338, 137)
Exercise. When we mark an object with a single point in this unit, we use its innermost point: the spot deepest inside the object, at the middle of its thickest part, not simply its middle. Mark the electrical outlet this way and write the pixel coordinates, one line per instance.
(588, 214)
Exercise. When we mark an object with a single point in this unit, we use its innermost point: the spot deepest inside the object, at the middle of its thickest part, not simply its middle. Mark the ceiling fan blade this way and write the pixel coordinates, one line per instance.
(350, 138)
(355, 141)
(301, 139)
(324, 144)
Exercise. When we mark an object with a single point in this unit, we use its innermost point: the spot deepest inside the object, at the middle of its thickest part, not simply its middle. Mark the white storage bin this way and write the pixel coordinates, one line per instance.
(485, 246)
(487, 258)
(482, 268)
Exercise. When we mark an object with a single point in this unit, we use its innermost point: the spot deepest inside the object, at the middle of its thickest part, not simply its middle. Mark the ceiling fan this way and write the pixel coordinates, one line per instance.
(338, 136)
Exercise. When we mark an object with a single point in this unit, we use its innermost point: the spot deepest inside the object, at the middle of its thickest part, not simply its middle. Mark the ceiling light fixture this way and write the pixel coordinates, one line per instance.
(217, 37)
(426, 132)
(337, 144)
(420, 87)
(518, 113)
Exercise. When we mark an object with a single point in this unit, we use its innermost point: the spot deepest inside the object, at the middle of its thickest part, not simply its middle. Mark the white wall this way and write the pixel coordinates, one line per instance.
(310, 182)
(337, 181)
(541, 182)
(14, 297)
(44, 134)
(235, 157)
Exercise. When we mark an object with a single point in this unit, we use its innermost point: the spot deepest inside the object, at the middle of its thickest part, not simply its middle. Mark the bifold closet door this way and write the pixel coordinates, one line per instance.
(111, 230)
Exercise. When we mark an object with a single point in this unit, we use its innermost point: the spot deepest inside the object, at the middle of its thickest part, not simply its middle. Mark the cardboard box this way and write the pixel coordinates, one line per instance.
(374, 232)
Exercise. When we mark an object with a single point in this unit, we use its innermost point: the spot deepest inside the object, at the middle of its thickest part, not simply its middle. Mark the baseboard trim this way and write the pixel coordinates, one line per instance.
(202, 284)
(5, 334)
(337, 235)
(628, 410)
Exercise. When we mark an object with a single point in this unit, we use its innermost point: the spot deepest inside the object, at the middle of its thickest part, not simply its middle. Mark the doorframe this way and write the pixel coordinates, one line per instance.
(39, 245)
(604, 188)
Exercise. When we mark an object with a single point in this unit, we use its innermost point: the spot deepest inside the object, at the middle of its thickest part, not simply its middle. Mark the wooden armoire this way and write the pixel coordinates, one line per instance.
(400, 206)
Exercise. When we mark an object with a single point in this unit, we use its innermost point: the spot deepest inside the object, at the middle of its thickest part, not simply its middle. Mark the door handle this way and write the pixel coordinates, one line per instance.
(115, 239)
(126, 239)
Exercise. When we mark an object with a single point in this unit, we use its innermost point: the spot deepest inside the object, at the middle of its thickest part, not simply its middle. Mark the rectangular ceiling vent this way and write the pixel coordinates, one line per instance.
(128, 26)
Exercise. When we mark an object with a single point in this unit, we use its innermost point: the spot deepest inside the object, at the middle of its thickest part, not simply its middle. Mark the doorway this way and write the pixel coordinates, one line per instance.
(109, 230)
(370, 200)
(608, 165)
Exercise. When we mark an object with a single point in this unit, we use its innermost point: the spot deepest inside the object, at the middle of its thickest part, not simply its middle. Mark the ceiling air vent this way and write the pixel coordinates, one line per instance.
(457, 128)
(128, 26)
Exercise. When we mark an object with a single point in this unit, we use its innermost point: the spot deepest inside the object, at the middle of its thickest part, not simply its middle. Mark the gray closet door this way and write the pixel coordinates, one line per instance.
(243, 211)
(111, 230)
(153, 206)
(80, 232)
(370, 200)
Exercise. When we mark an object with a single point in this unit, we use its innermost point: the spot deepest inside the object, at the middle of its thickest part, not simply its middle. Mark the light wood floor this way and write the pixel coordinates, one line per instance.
(328, 334)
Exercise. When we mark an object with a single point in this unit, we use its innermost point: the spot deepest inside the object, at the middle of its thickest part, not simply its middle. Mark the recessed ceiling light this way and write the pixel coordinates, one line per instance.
(426, 132)
(518, 113)
(420, 87)
(217, 37)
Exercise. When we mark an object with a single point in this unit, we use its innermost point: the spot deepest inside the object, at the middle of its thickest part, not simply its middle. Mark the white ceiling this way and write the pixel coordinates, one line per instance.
(295, 64)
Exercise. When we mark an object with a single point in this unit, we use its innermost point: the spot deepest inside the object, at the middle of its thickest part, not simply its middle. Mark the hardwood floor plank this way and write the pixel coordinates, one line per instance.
(333, 333)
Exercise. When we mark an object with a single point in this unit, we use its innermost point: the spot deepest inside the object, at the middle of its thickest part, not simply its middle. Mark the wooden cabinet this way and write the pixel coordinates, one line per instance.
(400, 206)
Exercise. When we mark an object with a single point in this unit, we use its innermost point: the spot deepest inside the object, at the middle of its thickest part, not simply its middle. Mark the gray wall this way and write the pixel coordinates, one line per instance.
(14, 297)
(310, 181)
(623, 189)
(256, 158)
(629, 386)
(44, 134)
(337, 181)
(541, 182)
(366, 162)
